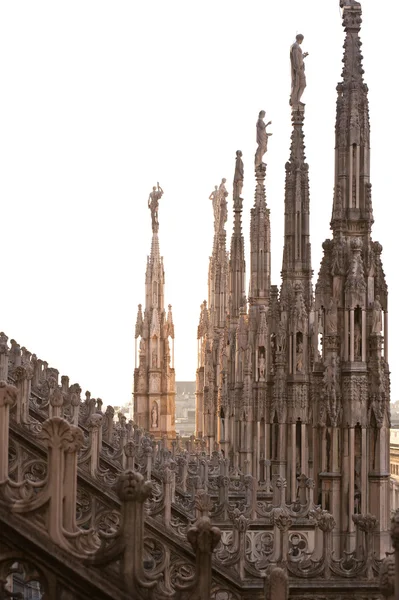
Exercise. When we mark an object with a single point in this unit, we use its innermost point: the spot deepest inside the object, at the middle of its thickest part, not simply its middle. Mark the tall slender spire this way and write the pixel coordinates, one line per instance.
(259, 287)
(237, 255)
(297, 265)
(212, 321)
(154, 377)
(351, 379)
(352, 198)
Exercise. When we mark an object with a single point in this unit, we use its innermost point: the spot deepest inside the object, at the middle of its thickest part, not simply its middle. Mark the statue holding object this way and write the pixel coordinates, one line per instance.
(153, 205)
(262, 138)
(298, 78)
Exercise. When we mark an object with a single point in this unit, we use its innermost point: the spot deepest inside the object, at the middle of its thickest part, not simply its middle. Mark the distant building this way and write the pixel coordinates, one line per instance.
(185, 408)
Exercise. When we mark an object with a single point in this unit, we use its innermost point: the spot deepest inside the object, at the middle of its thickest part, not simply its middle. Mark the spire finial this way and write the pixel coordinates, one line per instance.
(153, 205)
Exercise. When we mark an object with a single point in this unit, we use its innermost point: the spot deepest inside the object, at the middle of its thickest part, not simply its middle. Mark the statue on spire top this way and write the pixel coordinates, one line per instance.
(238, 181)
(262, 137)
(153, 205)
(298, 78)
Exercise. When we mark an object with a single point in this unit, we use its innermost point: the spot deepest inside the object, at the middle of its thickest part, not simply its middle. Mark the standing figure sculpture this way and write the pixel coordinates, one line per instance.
(214, 198)
(153, 205)
(238, 180)
(332, 317)
(298, 78)
(222, 195)
(377, 316)
(262, 138)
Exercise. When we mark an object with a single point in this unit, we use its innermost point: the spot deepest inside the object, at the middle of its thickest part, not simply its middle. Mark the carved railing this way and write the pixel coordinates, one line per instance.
(54, 431)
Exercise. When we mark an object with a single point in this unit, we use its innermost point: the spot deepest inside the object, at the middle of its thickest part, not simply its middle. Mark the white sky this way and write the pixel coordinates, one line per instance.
(100, 100)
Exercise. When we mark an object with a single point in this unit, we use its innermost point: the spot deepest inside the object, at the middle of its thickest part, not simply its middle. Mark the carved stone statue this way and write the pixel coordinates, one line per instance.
(357, 341)
(262, 367)
(222, 195)
(332, 317)
(281, 337)
(377, 316)
(153, 205)
(298, 78)
(214, 197)
(238, 179)
(299, 357)
(262, 138)
(154, 416)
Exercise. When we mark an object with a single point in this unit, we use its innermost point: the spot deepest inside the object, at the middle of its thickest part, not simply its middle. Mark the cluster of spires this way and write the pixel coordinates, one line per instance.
(287, 376)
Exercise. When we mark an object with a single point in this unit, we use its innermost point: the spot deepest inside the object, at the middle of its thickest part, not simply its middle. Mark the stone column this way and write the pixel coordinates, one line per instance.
(293, 462)
(395, 544)
(346, 334)
(352, 334)
(8, 395)
(94, 427)
(364, 335)
(3, 357)
(364, 467)
(386, 335)
(203, 538)
(304, 463)
(351, 503)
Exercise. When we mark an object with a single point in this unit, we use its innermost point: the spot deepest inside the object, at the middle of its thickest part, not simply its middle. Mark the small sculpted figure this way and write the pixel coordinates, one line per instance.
(222, 194)
(238, 179)
(154, 416)
(262, 138)
(281, 337)
(299, 357)
(153, 205)
(214, 198)
(298, 78)
(262, 367)
(358, 341)
(332, 316)
(377, 316)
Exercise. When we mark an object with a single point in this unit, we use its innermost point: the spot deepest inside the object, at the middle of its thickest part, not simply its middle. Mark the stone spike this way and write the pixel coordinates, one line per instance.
(154, 390)
(296, 256)
(237, 251)
(259, 287)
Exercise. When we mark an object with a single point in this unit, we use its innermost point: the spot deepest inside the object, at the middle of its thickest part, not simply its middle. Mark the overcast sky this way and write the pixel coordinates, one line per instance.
(100, 100)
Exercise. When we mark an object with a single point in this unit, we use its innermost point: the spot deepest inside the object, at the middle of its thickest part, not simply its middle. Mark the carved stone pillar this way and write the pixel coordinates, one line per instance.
(3, 357)
(364, 334)
(94, 427)
(8, 395)
(352, 334)
(204, 538)
(346, 334)
(293, 462)
(395, 544)
(386, 335)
